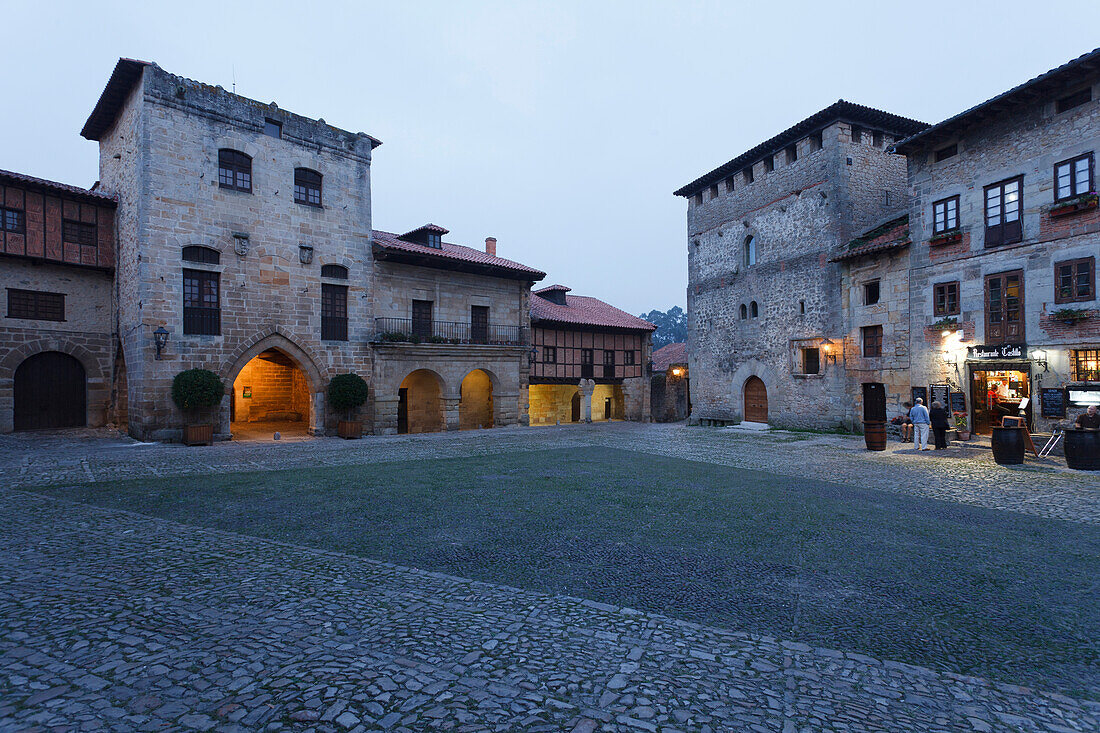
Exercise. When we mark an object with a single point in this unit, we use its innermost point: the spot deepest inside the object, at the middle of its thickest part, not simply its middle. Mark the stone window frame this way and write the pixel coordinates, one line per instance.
(867, 291)
(945, 205)
(749, 257)
(792, 153)
(273, 128)
(1075, 266)
(1074, 183)
(817, 141)
(729, 184)
(334, 312)
(871, 341)
(234, 170)
(201, 254)
(797, 349)
(744, 312)
(308, 186)
(941, 306)
(713, 191)
(856, 134)
(769, 163)
(749, 175)
(201, 320)
(334, 271)
(754, 310)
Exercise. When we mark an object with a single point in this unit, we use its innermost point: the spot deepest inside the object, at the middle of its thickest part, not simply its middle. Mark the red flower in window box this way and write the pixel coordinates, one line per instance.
(949, 237)
(1072, 206)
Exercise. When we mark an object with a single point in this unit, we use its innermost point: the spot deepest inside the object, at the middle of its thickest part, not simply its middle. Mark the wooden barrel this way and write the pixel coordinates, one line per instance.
(874, 434)
(1008, 446)
(1083, 449)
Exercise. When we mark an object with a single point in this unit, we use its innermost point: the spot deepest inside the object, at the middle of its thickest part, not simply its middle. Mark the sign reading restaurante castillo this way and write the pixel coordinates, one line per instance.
(996, 351)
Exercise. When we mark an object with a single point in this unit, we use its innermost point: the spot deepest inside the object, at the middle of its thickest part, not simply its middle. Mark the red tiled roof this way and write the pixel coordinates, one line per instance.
(123, 78)
(433, 228)
(584, 310)
(666, 356)
(890, 235)
(23, 179)
(451, 256)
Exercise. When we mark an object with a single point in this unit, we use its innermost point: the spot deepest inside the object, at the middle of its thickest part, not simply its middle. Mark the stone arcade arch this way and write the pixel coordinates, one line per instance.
(276, 385)
(420, 403)
(96, 389)
(476, 406)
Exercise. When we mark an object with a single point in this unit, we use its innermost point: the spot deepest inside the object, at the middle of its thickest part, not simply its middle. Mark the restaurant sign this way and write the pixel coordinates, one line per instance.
(996, 351)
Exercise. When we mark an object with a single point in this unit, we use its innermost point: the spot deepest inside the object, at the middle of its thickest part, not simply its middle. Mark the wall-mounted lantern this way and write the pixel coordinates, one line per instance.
(160, 339)
(1040, 357)
(532, 355)
(827, 346)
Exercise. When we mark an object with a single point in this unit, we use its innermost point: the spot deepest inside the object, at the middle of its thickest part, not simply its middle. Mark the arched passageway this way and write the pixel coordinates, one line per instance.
(271, 393)
(420, 403)
(553, 403)
(607, 402)
(475, 408)
(50, 391)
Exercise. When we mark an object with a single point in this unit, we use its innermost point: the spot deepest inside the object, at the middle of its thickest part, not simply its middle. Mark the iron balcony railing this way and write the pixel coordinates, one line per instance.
(417, 331)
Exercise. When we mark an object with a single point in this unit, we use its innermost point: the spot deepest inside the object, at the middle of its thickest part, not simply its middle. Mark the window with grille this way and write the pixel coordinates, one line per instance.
(78, 232)
(205, 255)
(946, 298)
(1086, 365)
(1075, 280)
(549, 355)
(338, 272)
(945, 215)
(35, 305)
(234, 170)
(13, 220)
(334, 312)
(307, 187)
(201, 310)
(1073, 178)
(1003, 206)
(872, 340)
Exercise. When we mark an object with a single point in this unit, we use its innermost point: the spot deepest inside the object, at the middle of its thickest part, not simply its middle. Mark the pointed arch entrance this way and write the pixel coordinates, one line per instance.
(276, 388)
(756, 400)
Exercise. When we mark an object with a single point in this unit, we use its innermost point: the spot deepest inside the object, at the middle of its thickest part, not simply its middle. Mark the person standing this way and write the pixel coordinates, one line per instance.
(938, 418)
(921, 424)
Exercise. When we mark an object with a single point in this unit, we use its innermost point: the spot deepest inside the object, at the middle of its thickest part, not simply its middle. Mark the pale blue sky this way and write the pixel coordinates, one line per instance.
(559, 128)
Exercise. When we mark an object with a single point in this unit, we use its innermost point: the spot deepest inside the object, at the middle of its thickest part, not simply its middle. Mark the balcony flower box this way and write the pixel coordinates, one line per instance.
(1072, 206)
(950, 323)
(1069, 316)
(949, 237)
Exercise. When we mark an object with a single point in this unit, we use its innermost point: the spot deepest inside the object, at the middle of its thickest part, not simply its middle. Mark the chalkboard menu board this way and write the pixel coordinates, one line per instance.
(939, 393)
(958, 402)
(1053, 402)
(921, 392)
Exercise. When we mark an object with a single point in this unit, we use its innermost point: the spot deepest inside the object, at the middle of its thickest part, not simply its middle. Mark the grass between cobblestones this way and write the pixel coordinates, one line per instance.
(957, 588)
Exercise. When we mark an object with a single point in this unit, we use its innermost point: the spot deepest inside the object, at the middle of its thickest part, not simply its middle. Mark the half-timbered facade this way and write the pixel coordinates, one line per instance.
(590, 360)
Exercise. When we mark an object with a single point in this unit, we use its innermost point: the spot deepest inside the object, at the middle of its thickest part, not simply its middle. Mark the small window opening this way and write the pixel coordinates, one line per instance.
(769, 164)
(948, 152)
(871, 292)
(792, 154)
(273, 128)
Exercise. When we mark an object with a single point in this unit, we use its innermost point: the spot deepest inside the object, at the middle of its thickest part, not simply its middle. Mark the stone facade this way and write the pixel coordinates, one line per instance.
(1024, 140)
(40, 256)
(761, 286)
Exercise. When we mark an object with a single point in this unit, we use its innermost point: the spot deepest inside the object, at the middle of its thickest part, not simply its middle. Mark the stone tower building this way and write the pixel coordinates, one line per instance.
(765, 320)
(256, 221)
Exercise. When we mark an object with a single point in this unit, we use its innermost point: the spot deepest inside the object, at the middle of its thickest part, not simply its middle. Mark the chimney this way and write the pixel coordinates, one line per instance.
(491, 246)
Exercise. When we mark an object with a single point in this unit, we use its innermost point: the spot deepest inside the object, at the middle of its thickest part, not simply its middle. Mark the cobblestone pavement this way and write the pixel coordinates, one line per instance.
(962, 474)
(115, 621)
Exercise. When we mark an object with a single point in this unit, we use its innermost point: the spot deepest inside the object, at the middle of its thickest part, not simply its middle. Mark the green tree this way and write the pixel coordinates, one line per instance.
(671, 326)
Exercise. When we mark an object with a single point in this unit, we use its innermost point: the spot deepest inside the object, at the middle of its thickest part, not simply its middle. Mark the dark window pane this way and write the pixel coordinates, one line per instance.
(334, 271)
(78, 232)
(307, 187)
(234, 170)
(201, 312)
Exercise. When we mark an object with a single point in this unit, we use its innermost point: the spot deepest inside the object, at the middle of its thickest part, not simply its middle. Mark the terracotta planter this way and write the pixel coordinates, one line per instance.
(198, 435)
(949, 238)
(350, 429)
(1073, 207)
(962, 434)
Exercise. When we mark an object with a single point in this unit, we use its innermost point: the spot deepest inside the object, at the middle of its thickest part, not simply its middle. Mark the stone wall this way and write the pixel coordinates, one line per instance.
(161, 159)
(87, 333)
(452, 294)
(279, 390)
(552, 403)
(1027, 142)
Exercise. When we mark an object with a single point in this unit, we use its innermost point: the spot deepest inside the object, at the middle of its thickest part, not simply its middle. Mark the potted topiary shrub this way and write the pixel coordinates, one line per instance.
(195, 391)
(347, 392)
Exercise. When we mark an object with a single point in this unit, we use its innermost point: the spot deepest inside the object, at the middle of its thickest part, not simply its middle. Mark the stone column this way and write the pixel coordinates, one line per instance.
(450, 412)
(317, 414)
(586, 388)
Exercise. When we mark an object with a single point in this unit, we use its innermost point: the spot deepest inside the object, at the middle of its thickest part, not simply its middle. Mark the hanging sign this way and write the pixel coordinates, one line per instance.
(996, 351)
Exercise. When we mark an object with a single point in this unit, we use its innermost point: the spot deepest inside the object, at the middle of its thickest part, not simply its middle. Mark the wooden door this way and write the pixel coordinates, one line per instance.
(422, 318)
(756, 400)
(403, 410)
(479, 324)
(49, 392)
(1004, 308)
(576, 407)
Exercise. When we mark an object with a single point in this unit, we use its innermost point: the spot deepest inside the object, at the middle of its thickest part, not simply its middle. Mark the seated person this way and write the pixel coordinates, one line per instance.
(1088, 420)
(905, 424)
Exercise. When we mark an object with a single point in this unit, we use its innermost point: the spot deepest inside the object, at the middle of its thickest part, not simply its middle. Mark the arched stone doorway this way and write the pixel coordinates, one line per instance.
(475, 407)
(420, 403)
(756, 400)
(271, 393)
(50, 391)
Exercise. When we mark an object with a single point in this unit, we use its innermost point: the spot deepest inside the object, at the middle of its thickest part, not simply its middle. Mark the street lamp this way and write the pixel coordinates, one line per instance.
(160, 339)
(1040, 356)
(532, 355)
(827, 347)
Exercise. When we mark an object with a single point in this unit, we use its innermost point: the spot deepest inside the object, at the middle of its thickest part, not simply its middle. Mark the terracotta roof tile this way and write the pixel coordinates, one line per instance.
(24, 179)
(890, 235)
(456, 253)
(666, 356)
(584, 310)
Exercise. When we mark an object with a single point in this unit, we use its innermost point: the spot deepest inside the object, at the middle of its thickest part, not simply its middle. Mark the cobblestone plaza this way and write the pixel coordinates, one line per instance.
(114, 615)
